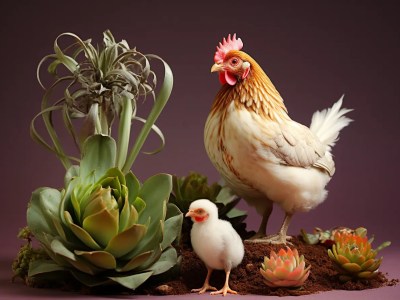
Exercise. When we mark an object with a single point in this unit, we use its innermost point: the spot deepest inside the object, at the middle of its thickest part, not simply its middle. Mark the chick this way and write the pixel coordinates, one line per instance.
(216, 243)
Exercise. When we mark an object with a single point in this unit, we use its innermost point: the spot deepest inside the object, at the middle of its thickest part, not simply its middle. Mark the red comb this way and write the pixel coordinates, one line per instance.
(226, 46)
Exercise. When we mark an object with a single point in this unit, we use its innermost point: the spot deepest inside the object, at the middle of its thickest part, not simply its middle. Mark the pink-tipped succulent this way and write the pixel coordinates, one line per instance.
(353, 254)
(284, 269)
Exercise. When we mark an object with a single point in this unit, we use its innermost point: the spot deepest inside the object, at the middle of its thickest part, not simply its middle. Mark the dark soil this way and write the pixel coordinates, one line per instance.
(246, 278)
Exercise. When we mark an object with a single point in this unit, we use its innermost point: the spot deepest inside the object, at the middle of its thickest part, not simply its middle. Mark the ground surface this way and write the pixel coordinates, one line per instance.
(246, 278)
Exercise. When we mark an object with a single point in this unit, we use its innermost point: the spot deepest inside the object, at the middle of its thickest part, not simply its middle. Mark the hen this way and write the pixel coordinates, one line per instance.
(262, 154)
(216, 243)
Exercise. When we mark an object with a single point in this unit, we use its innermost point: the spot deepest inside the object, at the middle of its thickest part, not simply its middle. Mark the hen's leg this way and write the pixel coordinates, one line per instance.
(262, 230)
(281, 237)
(206, 286)
(226, 289)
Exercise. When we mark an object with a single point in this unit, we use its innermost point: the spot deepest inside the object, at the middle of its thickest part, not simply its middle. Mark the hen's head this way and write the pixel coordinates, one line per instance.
(202, 210)
(231, 63)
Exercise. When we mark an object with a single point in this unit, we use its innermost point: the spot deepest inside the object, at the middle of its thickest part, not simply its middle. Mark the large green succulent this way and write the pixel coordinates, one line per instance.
(105, 227)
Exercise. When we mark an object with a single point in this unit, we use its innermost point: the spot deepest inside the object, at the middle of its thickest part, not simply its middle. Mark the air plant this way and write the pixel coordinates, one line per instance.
(104, 227)
(284, 269)
(354, 256)
(99, 85)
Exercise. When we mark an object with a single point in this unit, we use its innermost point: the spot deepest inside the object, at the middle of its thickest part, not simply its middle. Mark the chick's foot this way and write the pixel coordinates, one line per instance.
(224, 291)
(203, 289)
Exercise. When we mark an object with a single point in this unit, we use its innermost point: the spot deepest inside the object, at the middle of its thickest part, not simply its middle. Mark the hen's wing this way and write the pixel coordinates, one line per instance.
(294, 144)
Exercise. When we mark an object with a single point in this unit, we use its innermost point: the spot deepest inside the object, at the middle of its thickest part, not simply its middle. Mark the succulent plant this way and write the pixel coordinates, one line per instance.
(99, 85)
(105, 227)
(195, 186)
(325, 237)
(26, 255)
(354, 256)
(284, 269)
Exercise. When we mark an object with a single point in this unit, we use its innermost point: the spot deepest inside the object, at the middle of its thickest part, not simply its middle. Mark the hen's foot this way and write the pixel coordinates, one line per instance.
(204, 289)
(278, 239)
(225, 290)
(275, 239)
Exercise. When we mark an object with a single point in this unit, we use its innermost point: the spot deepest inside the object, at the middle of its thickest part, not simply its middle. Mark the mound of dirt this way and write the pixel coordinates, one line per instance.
(246, 278)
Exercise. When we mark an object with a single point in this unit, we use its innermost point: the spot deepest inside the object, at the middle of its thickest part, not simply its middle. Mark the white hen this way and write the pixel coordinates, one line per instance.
(216, 243)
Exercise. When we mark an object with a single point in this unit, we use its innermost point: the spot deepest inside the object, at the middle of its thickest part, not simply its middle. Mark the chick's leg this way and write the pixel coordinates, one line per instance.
(282, 237)
(206, 286)
(226, 289)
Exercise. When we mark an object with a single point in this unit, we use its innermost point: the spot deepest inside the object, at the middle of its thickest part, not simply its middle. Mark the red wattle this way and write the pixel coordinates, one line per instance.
(230, 79)
(222, 77)
(199, 219)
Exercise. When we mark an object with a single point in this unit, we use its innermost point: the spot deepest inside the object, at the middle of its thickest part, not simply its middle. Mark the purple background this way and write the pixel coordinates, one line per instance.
(313, 51)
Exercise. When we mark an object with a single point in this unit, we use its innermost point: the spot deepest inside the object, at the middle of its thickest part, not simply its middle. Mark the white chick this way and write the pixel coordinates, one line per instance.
(216, 243)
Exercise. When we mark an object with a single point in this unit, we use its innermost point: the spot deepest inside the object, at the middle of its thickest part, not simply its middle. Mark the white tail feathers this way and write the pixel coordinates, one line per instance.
(326, 124)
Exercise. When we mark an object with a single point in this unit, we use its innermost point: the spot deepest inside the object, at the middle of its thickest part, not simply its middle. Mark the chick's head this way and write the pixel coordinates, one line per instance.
(202, 210)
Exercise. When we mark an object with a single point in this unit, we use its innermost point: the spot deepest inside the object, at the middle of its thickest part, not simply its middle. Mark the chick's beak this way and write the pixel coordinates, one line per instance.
(190, 213)
(217, 67)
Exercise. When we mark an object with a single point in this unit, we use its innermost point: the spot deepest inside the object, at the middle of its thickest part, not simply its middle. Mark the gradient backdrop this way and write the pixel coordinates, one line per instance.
(314, 51)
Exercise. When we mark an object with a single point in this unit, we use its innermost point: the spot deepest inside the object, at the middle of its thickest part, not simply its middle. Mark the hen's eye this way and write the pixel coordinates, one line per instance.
(234, 61)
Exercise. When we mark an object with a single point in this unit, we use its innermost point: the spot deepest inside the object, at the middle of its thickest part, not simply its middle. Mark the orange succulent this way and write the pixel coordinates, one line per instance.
(285, 269)
(354, 255)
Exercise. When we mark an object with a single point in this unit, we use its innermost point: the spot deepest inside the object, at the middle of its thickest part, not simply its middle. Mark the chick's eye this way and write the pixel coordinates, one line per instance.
(199, 211)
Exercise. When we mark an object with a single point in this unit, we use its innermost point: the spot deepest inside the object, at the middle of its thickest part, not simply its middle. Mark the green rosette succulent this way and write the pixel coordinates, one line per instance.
(354, 256)
(105, 227)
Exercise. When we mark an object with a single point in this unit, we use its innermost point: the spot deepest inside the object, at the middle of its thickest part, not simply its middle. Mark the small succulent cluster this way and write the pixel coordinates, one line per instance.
(195, 186)
(26, 255)
(354, 256)
(284, 269)
(325, 237)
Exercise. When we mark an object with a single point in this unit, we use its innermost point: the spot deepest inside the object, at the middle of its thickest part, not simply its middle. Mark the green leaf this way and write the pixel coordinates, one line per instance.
(40, 266)
(139, 204)
(172, 228)
(133, 187)
(124, 130)
(101, 259)
(90, 280)
(98, 154)
(136, 262)
(127, 240)
(81, 233)
(132, 281)
(382, 246)
(157, 108)
(351, 267)
(155, 191)
(102, 226)
(72, 173)
(167, 260)
(43, 210)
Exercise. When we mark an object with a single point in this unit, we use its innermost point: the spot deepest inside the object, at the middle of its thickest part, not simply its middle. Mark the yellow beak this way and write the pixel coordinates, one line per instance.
(217, 68)
(190, 213)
